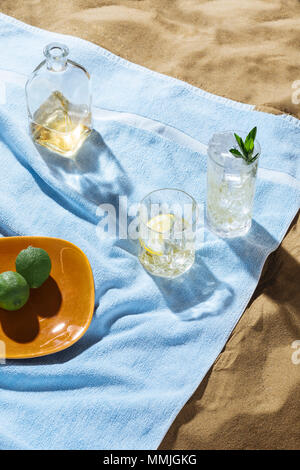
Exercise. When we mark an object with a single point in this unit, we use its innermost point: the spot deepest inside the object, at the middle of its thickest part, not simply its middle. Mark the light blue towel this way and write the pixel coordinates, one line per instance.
(151, 341)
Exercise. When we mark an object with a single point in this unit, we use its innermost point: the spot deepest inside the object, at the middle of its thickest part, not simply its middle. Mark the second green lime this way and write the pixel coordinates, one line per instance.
(14, 291)
(34, 265)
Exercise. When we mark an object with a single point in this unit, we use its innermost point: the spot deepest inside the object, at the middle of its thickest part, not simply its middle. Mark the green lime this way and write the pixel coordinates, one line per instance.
(35, 265)
(14, 291)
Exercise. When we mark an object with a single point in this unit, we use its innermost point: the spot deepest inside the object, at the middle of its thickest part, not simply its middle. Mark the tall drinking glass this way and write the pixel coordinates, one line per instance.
(230, 187)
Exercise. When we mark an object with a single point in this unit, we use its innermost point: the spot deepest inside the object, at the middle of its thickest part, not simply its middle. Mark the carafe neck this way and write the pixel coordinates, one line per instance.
(56, 56)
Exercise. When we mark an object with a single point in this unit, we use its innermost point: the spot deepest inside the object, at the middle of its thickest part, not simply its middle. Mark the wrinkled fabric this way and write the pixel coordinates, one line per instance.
(151, 341)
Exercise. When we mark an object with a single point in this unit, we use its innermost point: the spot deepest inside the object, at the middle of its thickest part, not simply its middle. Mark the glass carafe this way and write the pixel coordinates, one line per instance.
(59, 102)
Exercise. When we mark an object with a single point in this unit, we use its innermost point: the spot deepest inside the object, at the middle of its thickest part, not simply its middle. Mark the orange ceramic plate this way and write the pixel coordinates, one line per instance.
(59, 312)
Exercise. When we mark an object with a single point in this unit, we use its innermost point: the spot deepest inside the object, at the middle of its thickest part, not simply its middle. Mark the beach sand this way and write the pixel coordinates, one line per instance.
(247, 51)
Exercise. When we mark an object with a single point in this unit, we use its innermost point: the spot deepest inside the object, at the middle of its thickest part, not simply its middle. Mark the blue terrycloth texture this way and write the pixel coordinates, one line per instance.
(151, 340)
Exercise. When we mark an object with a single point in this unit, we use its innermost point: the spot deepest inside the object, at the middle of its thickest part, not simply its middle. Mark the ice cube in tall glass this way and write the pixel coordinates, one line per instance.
(230, 187)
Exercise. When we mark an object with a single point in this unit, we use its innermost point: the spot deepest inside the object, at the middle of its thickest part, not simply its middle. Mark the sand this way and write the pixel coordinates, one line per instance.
(247, 51)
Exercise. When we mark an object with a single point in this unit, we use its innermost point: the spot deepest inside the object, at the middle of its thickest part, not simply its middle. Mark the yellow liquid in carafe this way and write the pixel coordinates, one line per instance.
(60, 126)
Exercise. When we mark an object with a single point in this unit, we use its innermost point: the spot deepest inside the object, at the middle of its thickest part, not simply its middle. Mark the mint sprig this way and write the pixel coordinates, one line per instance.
(246, 148)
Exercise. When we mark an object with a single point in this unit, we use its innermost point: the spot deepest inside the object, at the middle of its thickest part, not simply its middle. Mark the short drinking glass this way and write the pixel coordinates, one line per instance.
(167, 231)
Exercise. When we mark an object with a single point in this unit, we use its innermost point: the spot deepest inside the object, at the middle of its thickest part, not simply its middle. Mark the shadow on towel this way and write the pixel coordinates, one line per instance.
(252, 247)
(196, 294)
(94, 172)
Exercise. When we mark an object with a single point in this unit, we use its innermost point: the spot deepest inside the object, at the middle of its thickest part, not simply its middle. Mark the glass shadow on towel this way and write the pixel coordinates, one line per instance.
(94, 172)
(197, 293)
(251, 249)
(193, 295)
(280, 268)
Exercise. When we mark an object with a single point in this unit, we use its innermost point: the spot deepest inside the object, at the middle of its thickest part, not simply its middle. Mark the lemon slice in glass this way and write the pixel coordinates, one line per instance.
(158, 225)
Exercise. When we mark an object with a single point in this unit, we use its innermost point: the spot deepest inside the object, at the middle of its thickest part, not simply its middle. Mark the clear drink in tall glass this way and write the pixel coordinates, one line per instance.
(230, 187)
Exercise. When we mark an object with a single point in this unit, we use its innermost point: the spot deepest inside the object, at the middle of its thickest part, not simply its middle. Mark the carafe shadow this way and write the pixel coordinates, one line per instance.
(94, 172)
